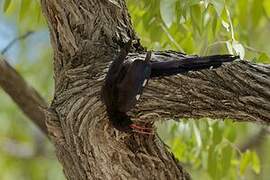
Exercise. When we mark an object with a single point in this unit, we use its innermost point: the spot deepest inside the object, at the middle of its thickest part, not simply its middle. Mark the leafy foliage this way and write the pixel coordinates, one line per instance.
(204, 27)
(208, 148)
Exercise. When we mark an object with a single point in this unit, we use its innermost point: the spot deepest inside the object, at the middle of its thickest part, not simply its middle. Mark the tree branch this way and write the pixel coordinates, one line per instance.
(24, 36)
(27, 98)
(82, 35)
(239, 90)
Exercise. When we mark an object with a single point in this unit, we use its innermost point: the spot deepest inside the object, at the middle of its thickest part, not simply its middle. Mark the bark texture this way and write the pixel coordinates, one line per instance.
(82, 35)
(238, 90)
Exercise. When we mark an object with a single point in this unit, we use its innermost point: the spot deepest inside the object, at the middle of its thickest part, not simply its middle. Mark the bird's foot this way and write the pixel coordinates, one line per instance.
(141, 129)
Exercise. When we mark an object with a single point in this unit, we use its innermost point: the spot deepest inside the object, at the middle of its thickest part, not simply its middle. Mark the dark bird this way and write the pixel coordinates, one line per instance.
(126, 79)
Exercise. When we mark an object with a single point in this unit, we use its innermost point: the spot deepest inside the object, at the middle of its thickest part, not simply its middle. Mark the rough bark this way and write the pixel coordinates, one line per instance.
(88, 147)
(27, 98)
(238, 90)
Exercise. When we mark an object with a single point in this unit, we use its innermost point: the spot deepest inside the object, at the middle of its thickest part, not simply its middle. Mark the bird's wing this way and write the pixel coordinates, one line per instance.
(131, 86)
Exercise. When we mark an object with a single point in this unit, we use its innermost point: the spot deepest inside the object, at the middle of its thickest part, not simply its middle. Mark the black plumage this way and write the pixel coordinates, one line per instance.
(126, 79)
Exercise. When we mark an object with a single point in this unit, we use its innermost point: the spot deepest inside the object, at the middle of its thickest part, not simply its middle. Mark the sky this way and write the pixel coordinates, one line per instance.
(9, 31)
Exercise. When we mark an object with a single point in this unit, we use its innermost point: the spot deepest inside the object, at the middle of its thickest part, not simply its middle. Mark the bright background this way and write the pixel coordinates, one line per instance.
(209, 149)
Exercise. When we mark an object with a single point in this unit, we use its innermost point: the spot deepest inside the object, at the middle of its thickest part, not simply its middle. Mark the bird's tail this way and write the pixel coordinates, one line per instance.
(167, 68)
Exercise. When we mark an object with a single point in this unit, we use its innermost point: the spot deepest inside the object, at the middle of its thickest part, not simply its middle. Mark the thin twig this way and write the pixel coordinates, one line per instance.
(24, 36)
(253, 49)
(171, 38)
(212, 45)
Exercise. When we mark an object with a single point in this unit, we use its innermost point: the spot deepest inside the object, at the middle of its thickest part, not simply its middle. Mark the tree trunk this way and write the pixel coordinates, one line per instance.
(82, 36)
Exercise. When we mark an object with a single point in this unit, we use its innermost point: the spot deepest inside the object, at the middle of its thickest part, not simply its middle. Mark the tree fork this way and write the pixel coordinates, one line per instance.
(88, 147)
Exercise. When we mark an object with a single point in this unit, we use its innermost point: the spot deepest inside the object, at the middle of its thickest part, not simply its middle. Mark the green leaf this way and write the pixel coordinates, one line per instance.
(196, 17)
(227, 153)
(184, 9)
(25, 6)
(6, 5)
(167, 11)
(266, 5)
(256, 163)
(256, 11)
(217, 134)
(197, 135)
(178, 148)
(243, 8)
(231, 134)
(246, 159)
(264, 58)
(212, 167)
(218, 5)
(194, 2)
(214, 24)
